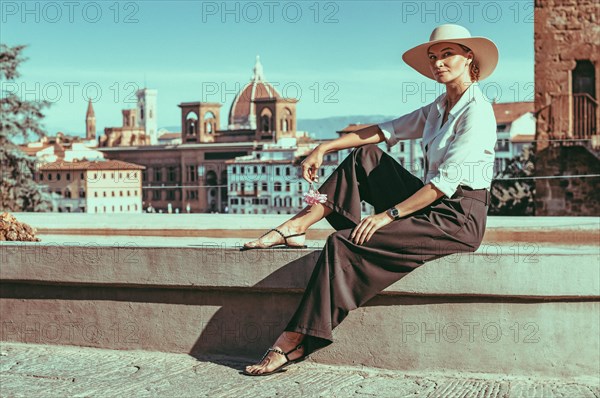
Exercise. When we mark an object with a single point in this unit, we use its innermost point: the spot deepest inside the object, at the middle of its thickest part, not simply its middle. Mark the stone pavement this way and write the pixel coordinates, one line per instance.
(30, 370)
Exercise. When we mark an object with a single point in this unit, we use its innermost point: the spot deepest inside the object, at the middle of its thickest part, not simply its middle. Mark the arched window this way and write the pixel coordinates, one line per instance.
(584, 99)
(211, 178)
(265, 122)
(286, 121)
(191, 124)
(210, 122)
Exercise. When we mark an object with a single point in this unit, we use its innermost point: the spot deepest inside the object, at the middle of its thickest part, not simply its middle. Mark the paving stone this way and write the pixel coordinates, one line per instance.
(30, 370)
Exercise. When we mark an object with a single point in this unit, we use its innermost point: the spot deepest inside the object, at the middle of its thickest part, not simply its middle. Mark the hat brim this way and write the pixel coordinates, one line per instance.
(486, 55)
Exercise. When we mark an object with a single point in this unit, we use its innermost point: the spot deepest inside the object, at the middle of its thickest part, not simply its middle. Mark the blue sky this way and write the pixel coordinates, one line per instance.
(337, 57)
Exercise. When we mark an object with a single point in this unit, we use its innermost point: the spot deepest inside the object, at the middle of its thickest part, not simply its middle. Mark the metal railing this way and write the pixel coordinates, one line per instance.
(584, 116)
(570, 116)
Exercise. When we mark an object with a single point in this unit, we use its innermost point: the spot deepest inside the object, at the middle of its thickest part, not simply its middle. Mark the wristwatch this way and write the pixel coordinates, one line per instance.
(393, 212)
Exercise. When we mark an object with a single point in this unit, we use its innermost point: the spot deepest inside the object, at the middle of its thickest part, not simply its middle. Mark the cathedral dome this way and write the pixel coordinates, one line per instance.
(242, 113)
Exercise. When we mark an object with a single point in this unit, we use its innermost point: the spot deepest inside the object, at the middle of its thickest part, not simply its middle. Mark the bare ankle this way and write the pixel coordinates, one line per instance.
(290, 338)
(295, 226)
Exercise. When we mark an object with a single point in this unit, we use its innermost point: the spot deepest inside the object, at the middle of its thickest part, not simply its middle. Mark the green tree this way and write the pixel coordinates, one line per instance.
(19, 119)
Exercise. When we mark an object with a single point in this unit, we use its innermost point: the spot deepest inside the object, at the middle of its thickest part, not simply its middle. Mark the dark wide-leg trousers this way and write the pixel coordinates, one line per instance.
(348, 275)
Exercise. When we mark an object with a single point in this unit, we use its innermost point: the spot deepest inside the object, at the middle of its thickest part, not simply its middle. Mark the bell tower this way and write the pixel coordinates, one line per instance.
(146, 111)
(275, 118)
(199, 121)
(90, 122)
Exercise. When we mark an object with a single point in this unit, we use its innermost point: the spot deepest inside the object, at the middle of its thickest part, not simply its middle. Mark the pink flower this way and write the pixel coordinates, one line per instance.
(313, 196)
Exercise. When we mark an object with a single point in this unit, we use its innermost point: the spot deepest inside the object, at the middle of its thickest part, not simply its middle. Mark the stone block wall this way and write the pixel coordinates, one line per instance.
(565, 31)
(567, 196)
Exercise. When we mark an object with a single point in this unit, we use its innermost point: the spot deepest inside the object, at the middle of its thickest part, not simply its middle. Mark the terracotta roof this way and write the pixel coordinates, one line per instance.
(169, 136)
(59, 149)
(243, 104)
(523, 138)
(92, 165)
(32, 151)
(508, 112)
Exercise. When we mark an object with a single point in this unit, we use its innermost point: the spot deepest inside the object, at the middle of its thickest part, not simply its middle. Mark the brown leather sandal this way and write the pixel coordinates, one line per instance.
(280, 368)
(278, 245)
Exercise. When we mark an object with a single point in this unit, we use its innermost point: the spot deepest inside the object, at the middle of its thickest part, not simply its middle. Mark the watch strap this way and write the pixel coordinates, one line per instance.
(394, 213)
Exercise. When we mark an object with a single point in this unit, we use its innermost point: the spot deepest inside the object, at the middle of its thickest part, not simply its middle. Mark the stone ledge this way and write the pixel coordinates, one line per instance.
(494, 310)
(510, 270)
(561, 230)
(468, 314)
(427, 333)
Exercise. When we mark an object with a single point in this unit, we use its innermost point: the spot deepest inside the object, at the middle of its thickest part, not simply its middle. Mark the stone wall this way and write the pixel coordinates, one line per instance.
(565, 31)
(567, 196)
(492, 311)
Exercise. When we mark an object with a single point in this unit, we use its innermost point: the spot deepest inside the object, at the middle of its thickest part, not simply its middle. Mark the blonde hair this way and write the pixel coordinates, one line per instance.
(473, 68)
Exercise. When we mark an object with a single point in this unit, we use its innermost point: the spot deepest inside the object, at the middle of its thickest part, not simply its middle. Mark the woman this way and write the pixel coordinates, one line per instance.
(415, 222)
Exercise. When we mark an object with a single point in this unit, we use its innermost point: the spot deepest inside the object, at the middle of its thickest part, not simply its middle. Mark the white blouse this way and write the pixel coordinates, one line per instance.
(461, 152)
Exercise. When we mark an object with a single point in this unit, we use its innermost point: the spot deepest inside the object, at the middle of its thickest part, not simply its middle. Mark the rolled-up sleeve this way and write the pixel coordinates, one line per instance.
(475, 133)
(409, 126)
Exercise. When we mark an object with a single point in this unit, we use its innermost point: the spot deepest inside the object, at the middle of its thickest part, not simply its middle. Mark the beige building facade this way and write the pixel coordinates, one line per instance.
(93, 186)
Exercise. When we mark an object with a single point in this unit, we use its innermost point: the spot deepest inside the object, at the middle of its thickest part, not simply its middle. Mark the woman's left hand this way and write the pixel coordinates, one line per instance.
(367, 227)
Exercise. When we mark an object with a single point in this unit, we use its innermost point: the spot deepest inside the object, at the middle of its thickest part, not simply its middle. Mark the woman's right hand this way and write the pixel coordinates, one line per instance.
(310, 165)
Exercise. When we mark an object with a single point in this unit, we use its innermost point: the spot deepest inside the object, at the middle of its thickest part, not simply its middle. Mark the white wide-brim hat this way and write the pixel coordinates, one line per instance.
(486, 52)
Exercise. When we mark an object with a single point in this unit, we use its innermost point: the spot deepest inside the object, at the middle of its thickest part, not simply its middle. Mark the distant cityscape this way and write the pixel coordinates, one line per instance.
(252, 167)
